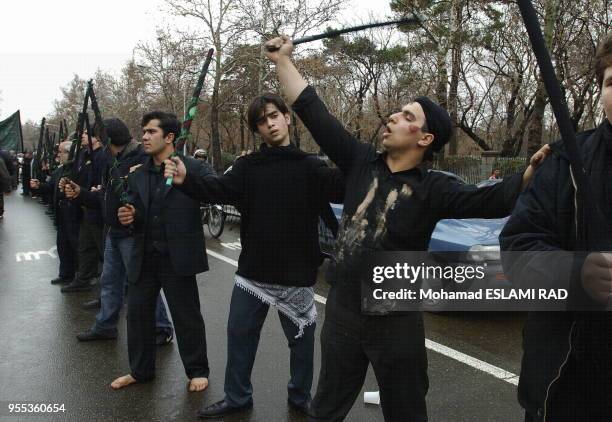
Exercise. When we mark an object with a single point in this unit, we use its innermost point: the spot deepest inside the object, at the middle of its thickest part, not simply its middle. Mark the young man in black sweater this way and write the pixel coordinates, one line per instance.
(392, 203)
(280, 192)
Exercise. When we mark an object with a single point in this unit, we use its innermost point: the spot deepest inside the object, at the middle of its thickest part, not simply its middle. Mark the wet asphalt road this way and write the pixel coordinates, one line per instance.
(42, 362)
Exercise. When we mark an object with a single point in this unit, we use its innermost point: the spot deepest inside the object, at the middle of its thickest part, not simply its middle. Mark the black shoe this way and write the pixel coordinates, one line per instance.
(162, 338)
(91, 335)
(60, 280)
(302, 408)
(78, 285)
(222, 408)
(92, 304)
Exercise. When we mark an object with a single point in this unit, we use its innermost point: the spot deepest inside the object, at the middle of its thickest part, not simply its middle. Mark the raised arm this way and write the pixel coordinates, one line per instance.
(339, 145)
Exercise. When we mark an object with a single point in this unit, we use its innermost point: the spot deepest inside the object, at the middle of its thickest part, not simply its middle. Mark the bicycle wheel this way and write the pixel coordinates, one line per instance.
(216, 221)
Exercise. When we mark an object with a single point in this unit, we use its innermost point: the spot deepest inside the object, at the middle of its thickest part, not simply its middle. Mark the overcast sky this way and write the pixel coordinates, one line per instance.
(44, 43)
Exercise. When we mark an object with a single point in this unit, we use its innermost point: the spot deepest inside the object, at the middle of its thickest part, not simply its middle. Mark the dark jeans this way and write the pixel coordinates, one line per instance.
(393, 344)
(246, 318)
(113, 285)
(67, 240)
(1, 202)
(90, 250)
(184, 303)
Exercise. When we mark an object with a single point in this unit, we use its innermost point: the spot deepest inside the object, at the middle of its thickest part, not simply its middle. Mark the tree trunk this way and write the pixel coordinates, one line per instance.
(456, 24)
(441, 94)
(535, 128)
(241, 111)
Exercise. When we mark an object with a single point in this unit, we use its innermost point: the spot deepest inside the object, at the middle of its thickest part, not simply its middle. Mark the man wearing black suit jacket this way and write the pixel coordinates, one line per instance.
(168, 252)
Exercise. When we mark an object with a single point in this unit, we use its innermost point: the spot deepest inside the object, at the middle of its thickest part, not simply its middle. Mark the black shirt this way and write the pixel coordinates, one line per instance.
(385, 211)
(155, 235)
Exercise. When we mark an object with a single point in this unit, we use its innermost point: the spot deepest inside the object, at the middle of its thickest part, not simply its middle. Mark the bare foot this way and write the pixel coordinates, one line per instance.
(123, 381)
(198, 384)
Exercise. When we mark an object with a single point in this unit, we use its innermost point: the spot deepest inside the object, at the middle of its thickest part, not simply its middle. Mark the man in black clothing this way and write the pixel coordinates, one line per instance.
(392, 203)
(168, 252)
(90, 164)
(5, 184)
(125, 154)
(26, 170)
(15, 160)
(279, 192)
(566, 371)
(66, 221)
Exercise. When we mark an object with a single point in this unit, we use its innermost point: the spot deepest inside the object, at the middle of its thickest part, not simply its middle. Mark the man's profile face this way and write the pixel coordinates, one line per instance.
(403, 130)
(273, 126)
(85, 140)
(606, 93)
(63, 152)
(153, 139)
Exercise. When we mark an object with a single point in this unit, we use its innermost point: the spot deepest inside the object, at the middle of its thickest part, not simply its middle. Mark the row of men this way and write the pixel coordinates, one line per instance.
(392, 201)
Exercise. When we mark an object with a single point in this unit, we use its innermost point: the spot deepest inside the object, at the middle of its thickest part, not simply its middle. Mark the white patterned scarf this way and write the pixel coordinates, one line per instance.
(296, 303)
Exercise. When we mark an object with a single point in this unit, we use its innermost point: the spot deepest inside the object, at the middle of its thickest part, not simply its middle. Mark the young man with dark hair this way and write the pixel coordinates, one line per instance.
(168, 252)
(280, 192)
(125, 153)
(566, 372)
(392, 203)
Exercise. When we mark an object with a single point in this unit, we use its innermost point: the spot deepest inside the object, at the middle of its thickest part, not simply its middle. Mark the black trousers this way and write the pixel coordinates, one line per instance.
(393, 344)
(246, 318)
(582, 393)
(184, 305)
(67, 239)
(91, 250)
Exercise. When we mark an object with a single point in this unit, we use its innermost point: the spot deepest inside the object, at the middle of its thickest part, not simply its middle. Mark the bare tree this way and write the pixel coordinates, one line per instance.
(222, 29)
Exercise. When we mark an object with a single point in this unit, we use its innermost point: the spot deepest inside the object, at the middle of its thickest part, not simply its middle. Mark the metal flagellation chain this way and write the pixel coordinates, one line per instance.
(192, 109)
(415, 19)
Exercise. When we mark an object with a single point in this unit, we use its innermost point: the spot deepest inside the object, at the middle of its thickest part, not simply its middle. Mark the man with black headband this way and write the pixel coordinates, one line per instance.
(392, 203)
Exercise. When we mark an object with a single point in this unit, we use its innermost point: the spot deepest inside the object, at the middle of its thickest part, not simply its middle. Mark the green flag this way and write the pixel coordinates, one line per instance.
(10, 133)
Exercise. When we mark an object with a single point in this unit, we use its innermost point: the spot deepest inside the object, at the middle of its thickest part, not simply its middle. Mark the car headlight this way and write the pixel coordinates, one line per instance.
(481, 253)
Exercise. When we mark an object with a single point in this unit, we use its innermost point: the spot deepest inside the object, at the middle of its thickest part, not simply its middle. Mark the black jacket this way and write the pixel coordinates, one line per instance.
(114, 188)
(181, 220)
(69, 210)
(546, 219)
(89, 174)
(279, 192)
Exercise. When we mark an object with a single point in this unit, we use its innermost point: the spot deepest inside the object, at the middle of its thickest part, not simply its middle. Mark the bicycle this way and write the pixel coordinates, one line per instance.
(214, 217)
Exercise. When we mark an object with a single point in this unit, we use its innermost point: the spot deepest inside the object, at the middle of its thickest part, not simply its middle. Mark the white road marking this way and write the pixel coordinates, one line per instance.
(475, 363)
(232, 245)
(28, 256)
(483, 366)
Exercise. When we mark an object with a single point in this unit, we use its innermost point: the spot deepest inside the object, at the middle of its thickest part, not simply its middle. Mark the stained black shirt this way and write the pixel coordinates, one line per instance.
(386, 211)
